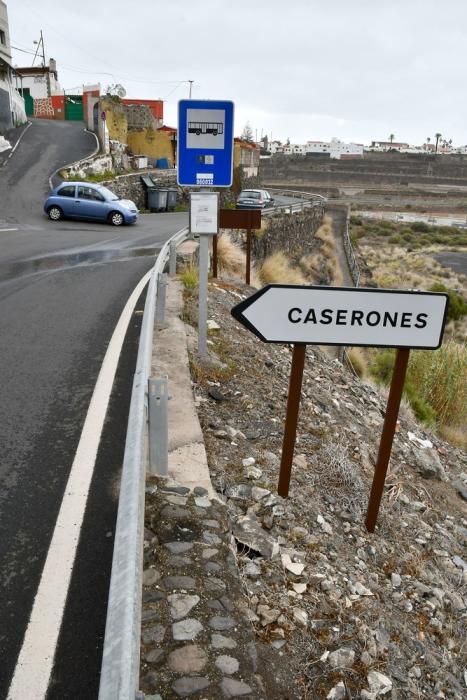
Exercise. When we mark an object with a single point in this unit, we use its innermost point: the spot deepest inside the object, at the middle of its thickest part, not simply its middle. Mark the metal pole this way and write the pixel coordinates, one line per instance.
(203, 293)
(248, 255)
(291, 418)
(172, 259)
(214, 256)
(160, 299)
(158, 433)
(387, 436)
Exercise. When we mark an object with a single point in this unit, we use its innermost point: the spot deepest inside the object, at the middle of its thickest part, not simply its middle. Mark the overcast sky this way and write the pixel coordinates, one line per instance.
(358, 70)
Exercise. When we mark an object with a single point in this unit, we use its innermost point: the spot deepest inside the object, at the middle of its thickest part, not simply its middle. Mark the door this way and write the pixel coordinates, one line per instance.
(74, 107)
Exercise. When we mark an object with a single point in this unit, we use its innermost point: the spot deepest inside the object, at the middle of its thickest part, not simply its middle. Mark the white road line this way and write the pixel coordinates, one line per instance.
(4, 230)
(35, 661)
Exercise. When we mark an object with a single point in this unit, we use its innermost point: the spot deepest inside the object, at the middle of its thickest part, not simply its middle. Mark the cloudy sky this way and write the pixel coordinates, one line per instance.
(358, 70)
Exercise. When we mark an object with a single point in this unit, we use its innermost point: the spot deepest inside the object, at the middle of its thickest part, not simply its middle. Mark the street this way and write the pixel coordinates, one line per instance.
(63, 287)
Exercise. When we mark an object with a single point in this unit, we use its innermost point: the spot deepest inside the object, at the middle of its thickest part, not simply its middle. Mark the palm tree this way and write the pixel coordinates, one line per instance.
(437, 137)
(391, 138)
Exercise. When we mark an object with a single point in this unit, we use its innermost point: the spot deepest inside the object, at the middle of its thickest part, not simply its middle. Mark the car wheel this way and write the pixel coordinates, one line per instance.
(115, 218)
(55, 213)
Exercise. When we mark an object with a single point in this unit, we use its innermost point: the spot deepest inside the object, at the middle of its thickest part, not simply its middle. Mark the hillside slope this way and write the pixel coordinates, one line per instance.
(345, 614)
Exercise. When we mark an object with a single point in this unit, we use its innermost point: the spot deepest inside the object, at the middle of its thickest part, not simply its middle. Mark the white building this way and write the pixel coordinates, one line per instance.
(40, 81)
(336, 149)
(12, 110)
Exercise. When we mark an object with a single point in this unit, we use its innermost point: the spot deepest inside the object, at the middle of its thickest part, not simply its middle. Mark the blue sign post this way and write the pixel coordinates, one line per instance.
(205, 143)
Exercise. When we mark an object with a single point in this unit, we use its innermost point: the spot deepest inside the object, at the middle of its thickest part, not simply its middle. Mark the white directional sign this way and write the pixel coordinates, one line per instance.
(345, 316)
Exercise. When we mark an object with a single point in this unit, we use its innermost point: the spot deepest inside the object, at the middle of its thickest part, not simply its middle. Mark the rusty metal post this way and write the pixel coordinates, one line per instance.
(214, 256)
(248, 255)
(387, 436)
(291, 418)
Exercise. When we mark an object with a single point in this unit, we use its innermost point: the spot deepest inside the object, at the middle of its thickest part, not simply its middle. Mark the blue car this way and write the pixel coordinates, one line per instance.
(89, 201)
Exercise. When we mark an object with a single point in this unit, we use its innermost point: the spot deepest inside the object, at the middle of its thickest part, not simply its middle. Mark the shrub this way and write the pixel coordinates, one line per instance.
(441, 380)
(420, 226)
(457, 307)
(189, 278)
(436, 382)
(396, 238)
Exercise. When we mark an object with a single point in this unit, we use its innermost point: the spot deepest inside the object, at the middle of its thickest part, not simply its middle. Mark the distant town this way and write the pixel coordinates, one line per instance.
(340, 150)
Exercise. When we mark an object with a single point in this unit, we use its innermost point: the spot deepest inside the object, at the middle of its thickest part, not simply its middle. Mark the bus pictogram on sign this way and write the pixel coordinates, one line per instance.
(199, 128)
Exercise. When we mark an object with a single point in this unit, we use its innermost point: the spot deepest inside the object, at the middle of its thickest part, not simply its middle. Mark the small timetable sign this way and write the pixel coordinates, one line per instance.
(345, 316)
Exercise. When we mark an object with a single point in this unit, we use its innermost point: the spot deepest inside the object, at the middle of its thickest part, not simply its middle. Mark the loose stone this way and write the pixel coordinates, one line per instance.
(343, 657)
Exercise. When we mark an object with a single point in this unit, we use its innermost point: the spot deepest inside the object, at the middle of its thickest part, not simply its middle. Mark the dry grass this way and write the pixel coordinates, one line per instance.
(357, 360)
(455, 436)
(441, 380)
(231, 260)
(277, 268)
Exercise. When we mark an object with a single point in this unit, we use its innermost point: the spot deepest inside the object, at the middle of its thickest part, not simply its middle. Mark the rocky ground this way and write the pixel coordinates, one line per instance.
(337, 612)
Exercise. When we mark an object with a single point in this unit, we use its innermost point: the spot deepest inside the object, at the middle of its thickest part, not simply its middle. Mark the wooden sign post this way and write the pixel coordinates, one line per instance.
(249, 219)
(351, 317)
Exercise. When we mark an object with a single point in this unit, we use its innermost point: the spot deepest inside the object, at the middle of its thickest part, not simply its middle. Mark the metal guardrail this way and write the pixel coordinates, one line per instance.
(350, 255)
(120, 661)
(121, 654)
(307, 200)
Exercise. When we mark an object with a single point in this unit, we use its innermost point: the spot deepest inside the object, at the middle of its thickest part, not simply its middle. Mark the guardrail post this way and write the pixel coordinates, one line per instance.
(160, 299)
(172, 259)
(158, 426)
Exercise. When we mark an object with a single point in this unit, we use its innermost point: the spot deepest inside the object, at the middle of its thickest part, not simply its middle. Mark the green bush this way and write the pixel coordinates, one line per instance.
(435, 385)
(355, 221)
(420, 226)
(396, 238)
(457, 304)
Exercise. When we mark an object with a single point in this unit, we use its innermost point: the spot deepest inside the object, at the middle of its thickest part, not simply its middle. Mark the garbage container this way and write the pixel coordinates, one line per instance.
(171, 198)
(149, 187)
(158, 200)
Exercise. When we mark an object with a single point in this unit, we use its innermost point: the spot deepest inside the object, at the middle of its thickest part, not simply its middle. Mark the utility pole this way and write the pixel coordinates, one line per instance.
(40, 44)
(191, 85)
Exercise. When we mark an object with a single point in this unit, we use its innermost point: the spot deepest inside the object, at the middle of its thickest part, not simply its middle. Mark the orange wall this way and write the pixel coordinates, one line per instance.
(58, 104)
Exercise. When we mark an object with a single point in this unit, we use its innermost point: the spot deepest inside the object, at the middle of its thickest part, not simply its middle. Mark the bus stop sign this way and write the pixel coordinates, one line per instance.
(205, 143)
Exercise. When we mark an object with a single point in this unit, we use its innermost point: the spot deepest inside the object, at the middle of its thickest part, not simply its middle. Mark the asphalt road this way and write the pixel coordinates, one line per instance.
(62, 288)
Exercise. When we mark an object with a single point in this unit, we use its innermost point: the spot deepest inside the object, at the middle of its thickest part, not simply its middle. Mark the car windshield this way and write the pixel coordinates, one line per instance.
(250, 194)
(108, 194)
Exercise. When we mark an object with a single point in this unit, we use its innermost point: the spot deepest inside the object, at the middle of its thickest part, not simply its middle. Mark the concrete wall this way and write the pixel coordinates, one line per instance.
(5, 112)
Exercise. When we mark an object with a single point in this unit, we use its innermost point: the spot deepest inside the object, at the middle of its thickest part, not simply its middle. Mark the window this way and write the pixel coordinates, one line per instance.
(68, 191)
(89, 193)
(2, 37)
